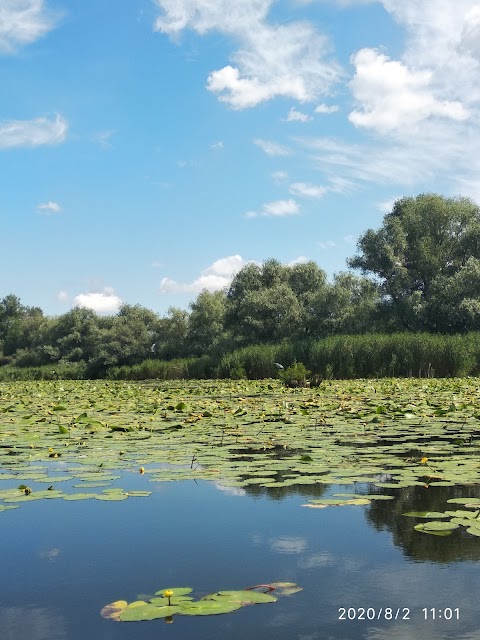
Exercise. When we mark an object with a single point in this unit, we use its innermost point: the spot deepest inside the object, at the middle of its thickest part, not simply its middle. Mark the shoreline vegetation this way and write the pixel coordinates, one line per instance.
(402, 355)
(413, 312)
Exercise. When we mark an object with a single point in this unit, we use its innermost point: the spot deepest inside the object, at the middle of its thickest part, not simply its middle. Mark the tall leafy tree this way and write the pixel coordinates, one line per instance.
(423, 243)
(206, 321)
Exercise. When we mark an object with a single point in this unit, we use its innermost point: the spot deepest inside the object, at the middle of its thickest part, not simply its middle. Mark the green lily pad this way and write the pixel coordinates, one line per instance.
(176, 591)
(245, 596)
(425, 514)
(146, 612)
(436, 528)
(208, 608)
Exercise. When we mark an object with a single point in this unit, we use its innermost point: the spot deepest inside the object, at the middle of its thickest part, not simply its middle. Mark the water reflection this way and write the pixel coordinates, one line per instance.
(386, 515)
(18, 623)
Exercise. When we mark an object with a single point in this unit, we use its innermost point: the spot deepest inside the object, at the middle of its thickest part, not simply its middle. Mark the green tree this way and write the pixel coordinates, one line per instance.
(206, 321)
(423, 243)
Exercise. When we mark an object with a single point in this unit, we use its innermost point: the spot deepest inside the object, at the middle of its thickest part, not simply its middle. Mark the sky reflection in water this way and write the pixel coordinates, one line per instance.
(63, 561)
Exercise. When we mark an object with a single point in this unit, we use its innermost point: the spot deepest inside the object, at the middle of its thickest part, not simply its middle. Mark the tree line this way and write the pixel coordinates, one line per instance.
(419, 272)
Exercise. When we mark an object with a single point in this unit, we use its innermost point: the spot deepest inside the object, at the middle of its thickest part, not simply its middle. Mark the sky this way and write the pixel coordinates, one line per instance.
(150, 149)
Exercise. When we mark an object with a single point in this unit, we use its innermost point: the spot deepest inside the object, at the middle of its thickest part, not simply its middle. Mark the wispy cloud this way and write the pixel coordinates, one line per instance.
(288, 60)
(307, 190)
(214, 278)
(276, 209)
(328, 244)
(272, 148)
(22, 22)
(279, 176)
(297, 116)
(102, 138)
(217, 146)
(49, 208)
(105, 301)
(386, 205)
(32, 133)
(325, 108)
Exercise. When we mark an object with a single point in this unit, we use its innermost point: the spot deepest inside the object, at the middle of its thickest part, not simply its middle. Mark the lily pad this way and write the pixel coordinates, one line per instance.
(208, 608)
(146, 612)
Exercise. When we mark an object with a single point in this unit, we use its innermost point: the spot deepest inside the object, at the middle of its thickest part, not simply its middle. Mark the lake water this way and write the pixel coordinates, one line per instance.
(61, 562)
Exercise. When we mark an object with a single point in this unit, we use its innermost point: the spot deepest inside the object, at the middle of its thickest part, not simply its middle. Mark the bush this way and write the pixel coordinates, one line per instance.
(296, 375)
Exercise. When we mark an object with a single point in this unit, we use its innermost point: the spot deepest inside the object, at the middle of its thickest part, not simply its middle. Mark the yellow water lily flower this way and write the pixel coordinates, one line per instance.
(424, 460)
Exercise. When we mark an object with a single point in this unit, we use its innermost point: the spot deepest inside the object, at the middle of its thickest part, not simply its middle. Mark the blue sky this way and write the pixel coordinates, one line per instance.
(151, 148)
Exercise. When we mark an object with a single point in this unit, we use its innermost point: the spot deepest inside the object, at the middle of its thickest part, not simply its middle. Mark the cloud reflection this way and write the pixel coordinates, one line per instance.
(32, 623)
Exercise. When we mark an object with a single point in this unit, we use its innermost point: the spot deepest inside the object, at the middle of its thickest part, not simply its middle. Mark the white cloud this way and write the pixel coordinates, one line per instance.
(49, 208)
(307, 190)
(279, 176)
(288, 60)
(102, 138)
(390, 96)
(277, 209)
(299, 260)
(62, 296)
(297, 116)
(32, 133)
(214, 278)
(386, 206)
(156, 264)
(328, 244)
(22, 22)
(102, 302)
(216, 146)
(349, 239)
(271, 148)
(325, 108)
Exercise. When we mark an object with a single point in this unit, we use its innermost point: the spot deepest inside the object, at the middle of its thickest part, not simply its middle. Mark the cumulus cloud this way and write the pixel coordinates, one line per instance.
(32, 133)
(274, 60)
(390, 96)
(22, 22)
(49, 208)
(297, 116)
(215, 277)
(307, 190)
(276, 209)
(299, 260)
(105, 301)
(325, 108)
(271, 148)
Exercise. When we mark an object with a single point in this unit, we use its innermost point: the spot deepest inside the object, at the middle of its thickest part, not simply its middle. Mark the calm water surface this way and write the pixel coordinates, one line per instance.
(61, 562)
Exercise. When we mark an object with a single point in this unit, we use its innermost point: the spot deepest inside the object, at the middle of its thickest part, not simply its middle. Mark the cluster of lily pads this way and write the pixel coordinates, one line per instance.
(176, 601)
(470, 520)
(78, 435)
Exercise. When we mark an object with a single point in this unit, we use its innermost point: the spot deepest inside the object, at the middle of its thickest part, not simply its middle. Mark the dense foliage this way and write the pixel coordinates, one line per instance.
(420, 273)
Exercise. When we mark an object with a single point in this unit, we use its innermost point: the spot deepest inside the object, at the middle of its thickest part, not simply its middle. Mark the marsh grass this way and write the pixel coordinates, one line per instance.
(417, 355)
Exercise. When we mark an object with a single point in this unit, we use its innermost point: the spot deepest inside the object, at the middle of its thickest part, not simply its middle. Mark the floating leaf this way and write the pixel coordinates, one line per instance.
(425, 514)
(437, 528)
(146, 612)
(245, 596)
(113, 610)
(208, 608)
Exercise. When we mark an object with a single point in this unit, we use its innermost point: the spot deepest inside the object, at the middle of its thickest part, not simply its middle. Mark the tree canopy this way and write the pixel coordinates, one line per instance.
(420, 271)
